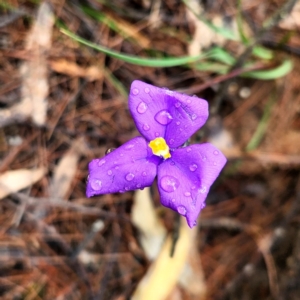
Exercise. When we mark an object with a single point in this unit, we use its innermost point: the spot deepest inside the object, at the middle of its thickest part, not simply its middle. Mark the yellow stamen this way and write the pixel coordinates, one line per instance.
(160, 148)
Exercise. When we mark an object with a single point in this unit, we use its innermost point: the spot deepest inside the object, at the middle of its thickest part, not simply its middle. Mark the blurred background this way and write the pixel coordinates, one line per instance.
(65, 72)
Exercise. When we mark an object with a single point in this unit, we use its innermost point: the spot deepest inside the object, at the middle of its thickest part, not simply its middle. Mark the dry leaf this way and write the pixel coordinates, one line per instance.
(65, 171)
(145, 219)
(164, 273)
(34, 71)
(34, 88)
(292, 20)
(72, 69)
(13, 181)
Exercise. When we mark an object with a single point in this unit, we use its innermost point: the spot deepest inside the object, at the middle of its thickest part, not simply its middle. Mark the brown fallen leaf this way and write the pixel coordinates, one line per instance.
(72, 69)
(13, 181)
(65, 171)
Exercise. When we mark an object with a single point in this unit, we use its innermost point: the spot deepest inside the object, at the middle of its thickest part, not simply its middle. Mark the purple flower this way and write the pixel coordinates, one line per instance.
(165, 119)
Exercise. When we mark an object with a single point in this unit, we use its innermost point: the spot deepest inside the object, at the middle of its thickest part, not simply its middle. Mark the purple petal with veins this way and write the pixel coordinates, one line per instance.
(159, 112)
(129, 167)
(185, 179)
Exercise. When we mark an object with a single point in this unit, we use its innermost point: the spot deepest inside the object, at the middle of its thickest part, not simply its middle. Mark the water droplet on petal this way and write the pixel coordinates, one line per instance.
(173, 200)
(194, 116)
(156, 134)
(188, 101)
(129, 176)
(147, 90)
(193, 187)
(163, 117)
(101, 162)
(129, 146)
(177, 123)
(121, 154)
(195, 223)
(202, 190)
(135, 91)
(96, 184)
(204, 158)
(193, 167)
(215, 163)
(188, 149)
(146, 127)
(203, 205)
(181, 210)
(138, 186)
(116, 168)
(126, 188)
(177, 104)
(121, 191)
(171, 141)
(144, 174)
(109, 172)
(172, 163)
(216, 152)
(187, 194)
(142, 107)
(169, 183)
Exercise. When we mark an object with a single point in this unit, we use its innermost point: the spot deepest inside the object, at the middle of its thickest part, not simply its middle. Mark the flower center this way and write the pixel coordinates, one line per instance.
(159, 147)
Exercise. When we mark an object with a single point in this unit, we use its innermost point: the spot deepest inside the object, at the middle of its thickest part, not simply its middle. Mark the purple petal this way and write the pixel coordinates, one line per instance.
(185, 179)
(131, 166)
(159, 112)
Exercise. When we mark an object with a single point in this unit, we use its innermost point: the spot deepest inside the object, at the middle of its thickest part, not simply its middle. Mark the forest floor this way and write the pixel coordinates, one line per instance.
(64, 102)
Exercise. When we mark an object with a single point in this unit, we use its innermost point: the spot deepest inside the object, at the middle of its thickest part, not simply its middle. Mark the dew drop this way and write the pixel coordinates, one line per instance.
(173, 200)
(138, 186)
(121, 154)
(194, 116)
(144, 174)
(129, 176)
(142, 108)
(116, 168)
(187, 194)
(193, 187)
(135, 91)
(188, 101)
(109, 172)
(163, 117)
(101, 162)
(171, 141)
(146, 127)
(215, 163)
(177, 123)
(126, 188)
(177, 104)
(193, 167)
(181, 210)
(172, 163)
(147, 90)
(121, 191)
(129, 146)
(202, 190)
(96, 184)
(216, 152)
(169, 183)
(188, 149)
(156, 134)
(204, 158)
(203, 205)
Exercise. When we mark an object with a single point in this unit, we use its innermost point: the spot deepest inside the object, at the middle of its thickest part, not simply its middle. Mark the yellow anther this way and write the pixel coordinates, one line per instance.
(160, 148)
